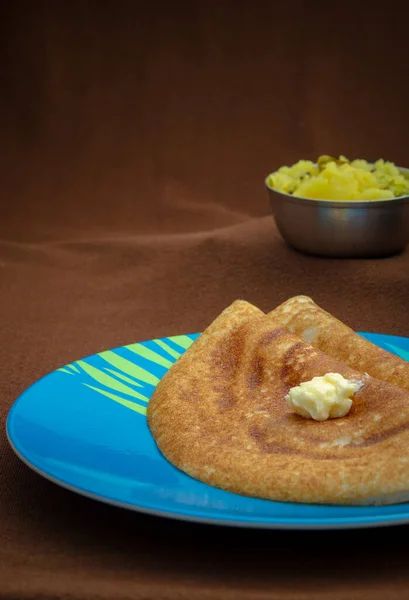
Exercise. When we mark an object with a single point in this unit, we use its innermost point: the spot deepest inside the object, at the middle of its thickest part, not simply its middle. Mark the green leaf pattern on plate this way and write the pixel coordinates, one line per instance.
(118, 380)
(399, 351)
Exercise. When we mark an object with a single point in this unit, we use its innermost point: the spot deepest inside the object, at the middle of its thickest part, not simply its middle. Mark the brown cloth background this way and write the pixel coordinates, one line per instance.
(135, 137)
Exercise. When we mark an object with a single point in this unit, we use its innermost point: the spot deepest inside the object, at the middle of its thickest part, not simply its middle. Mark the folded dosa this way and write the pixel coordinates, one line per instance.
(220, 415)
(323, 331)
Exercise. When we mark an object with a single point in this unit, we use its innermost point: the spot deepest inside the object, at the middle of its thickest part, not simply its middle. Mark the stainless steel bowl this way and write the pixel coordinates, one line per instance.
(370, 228)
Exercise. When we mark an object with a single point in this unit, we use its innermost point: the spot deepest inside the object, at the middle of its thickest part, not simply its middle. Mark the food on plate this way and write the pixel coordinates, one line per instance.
(325, 397)
(341, 179)
(220, 414)
(319, 328)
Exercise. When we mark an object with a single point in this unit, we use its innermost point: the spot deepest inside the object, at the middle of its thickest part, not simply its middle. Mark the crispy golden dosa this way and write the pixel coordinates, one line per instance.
(220, 415)
(323, 331)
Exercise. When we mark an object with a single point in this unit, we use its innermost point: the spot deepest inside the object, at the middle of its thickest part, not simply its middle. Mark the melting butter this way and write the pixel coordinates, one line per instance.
(322, 398)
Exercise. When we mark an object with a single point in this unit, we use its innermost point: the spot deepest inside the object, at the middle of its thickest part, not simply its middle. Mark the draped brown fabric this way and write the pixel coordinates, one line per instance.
(135, 137)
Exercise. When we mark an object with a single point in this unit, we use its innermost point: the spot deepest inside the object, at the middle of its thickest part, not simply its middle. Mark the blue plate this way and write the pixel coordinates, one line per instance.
(84, 427)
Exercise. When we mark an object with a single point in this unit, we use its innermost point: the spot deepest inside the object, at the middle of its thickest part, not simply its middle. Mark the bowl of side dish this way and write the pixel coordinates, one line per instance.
(340, 208)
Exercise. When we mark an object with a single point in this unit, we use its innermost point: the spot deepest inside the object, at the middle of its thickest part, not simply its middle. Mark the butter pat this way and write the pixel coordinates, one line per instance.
(322, 398)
